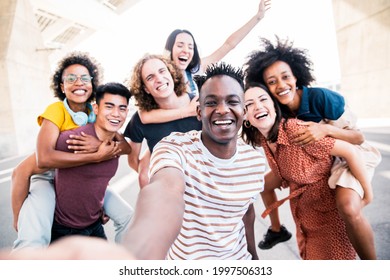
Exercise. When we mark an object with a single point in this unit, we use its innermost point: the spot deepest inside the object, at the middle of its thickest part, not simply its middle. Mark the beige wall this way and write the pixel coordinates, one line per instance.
(24, 73)
(363, 35)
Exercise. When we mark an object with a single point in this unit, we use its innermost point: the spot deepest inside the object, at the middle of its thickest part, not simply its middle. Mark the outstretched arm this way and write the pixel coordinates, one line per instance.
(356, 165)
(234, 39)
(73, 247)
(158, 215)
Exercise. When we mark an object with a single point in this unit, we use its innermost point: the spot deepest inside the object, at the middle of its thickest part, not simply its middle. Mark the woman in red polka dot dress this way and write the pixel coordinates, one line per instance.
(321, 232)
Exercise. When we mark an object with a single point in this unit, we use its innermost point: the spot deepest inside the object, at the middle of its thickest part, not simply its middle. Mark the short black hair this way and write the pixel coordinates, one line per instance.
(112, 88)
(221, 68)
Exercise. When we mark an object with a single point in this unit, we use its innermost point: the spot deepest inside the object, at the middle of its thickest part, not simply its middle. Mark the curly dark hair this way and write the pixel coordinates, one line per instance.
(221, 68)
(297, 59)
(136, 85)
(72, 58)
(250, 134)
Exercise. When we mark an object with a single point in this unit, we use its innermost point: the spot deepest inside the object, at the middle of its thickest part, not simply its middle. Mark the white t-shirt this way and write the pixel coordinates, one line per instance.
(217, 195)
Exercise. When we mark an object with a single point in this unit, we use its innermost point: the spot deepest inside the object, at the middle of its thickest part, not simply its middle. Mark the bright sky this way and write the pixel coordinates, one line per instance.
(145, 27)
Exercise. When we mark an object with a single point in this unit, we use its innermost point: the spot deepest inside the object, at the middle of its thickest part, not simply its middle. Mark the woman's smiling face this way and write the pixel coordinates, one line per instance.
(183, 50)
(260, 109)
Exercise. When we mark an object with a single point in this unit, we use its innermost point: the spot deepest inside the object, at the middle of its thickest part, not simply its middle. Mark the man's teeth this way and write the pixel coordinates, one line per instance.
(114, 121)
(223, 122)
(284, 92)
(162, 87)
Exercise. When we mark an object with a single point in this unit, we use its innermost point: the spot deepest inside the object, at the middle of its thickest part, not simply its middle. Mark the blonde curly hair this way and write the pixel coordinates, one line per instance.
(136, 85)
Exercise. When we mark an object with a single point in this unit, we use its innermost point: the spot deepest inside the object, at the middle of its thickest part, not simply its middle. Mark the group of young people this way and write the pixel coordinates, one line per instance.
(198, 177)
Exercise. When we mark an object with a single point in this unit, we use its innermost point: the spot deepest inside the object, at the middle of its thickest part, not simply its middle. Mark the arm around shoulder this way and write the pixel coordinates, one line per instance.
(160, 115)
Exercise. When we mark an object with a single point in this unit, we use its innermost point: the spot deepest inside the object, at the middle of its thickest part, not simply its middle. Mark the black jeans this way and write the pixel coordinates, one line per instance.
(96, 229)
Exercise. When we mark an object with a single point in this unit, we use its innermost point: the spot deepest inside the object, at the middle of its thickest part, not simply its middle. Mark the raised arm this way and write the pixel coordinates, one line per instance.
(49, 157)
(355, 162)
(234, 39)
(158, 215)
(20, 184)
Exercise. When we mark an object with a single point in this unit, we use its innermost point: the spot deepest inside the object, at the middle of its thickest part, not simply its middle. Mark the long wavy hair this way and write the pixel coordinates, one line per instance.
(136, 84)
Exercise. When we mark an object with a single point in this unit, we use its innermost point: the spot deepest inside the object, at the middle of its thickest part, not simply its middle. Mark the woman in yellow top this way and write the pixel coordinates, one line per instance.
(33, 200)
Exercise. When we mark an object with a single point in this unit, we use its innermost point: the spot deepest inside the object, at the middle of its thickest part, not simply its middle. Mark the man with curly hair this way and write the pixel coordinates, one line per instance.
(198, 204)
(155, 84)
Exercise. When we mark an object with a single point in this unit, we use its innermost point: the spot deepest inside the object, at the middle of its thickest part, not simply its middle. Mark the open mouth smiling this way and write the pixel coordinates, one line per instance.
(223, 122)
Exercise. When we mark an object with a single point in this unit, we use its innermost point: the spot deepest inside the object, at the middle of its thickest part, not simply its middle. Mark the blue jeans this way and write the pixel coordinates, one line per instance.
(96, 230)
(37, 212)
(36, 215)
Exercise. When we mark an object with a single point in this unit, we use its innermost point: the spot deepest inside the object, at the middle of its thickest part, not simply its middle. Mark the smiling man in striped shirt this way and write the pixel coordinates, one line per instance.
(198, 204)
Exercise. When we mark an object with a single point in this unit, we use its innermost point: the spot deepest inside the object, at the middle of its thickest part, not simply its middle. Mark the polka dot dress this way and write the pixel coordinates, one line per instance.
(321, 232)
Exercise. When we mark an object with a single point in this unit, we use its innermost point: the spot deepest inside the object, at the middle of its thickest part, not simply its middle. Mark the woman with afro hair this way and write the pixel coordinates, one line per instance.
(287, 73)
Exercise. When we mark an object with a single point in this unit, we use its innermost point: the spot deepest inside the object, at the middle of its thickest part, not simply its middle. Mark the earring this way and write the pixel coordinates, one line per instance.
(247, 124)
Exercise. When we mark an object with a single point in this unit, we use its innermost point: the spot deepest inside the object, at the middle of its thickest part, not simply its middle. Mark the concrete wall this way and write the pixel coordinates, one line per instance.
(362, 27)
(363, 35)
(24, 78)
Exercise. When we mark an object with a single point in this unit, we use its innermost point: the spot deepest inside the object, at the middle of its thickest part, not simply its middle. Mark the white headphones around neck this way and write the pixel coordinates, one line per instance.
(81, 118)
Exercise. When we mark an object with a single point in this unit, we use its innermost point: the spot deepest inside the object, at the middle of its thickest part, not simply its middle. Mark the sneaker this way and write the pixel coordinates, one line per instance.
(272, 238)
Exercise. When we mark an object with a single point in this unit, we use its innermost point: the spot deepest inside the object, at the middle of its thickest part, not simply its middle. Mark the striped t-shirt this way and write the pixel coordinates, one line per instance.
(217, 195)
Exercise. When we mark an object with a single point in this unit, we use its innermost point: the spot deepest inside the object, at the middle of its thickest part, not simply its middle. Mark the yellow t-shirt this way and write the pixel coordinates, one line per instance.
(57, 114)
